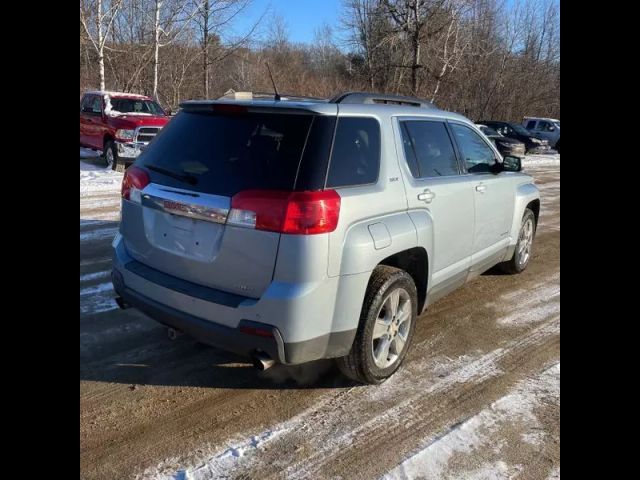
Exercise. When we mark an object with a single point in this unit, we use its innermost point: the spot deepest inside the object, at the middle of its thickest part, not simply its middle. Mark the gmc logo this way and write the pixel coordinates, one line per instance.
(170, 205)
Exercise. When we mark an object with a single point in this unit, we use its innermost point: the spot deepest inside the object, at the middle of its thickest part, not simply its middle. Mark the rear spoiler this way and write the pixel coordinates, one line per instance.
(240, 107)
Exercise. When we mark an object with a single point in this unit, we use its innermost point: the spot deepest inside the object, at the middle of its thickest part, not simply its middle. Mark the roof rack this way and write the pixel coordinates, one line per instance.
(379, 98)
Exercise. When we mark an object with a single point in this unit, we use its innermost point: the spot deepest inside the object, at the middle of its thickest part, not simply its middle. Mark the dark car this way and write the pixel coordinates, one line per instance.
(505, 145)
(533, 143)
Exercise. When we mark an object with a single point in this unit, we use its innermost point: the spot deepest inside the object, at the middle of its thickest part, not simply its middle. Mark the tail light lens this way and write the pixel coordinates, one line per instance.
(135, 179)
(298, 213)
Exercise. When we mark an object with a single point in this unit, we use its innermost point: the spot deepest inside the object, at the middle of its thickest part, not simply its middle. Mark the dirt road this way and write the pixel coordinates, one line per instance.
(478, 396)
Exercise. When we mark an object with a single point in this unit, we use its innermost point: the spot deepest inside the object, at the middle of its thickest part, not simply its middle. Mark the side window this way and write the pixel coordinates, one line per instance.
(96, 107)
(501, 129)
(478, 156)
(355, 159)
(87, 104)
(428, 149)
(531, 124)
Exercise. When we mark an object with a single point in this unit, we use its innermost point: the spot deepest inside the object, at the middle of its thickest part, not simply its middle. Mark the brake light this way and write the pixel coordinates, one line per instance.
(229, 109)
(298, 213)
(135, 179)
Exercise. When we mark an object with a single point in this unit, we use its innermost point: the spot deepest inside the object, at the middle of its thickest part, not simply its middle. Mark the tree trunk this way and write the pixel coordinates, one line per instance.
(156, 47)
(100, 47)
(205, 49)
(415, 62)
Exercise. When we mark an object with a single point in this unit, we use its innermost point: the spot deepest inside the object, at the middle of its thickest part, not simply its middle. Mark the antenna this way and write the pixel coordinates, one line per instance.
(276, 97)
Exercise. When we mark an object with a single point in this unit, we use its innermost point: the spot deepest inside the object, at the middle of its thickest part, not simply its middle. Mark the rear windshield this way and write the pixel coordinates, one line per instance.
(225, 154)
(133, 105)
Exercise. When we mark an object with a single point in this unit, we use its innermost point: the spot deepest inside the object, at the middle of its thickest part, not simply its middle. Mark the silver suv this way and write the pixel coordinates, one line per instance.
(290, 231)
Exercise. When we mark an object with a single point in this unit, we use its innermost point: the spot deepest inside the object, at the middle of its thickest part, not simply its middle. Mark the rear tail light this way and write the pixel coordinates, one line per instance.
(135, 179)
(299, 213)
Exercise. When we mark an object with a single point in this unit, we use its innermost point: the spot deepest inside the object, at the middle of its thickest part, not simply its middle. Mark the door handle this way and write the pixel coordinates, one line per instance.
(481, 188)
(426, 196)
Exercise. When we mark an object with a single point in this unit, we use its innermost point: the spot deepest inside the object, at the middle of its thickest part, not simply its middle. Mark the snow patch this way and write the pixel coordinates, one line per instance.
(219, 464)
(98, 179)
(475, 432)
(88, 277)
(99, 234)
(101, 287)
(88, 153)
(541, 159)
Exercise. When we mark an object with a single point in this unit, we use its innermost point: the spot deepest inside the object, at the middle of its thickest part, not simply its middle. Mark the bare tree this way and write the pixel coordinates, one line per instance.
(453, 46)
(412, 19)
(170, 19)
(211, 18)
(103, 14)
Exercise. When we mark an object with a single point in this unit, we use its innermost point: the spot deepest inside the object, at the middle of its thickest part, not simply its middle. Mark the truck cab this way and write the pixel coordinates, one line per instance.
(119, 124)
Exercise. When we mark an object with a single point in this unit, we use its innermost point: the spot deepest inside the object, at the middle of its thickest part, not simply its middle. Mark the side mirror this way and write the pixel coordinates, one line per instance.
(511, 164)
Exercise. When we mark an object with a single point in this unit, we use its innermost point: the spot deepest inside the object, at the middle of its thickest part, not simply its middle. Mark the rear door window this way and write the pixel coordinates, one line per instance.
(531, 125)
(428, 149)
(223, 154)
(355, 159)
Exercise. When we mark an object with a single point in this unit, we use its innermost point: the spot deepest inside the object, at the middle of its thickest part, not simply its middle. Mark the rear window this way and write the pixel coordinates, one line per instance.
(355, 159)
(134, 105)
(225, 154)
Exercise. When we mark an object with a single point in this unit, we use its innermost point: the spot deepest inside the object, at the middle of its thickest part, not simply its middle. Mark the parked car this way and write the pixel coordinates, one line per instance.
(290, 231)
(548, 128)
(505, 145)
(119, 124)
(533, 143)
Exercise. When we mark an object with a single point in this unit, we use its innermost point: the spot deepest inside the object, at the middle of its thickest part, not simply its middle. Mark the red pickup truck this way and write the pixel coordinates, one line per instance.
(119, 124)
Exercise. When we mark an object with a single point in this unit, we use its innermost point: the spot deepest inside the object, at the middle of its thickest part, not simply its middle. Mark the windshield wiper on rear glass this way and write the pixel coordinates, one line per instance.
(183, 177)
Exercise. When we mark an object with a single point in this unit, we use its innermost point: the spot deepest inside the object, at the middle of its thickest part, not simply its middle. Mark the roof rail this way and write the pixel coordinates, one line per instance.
(379, 98)
(233, 95)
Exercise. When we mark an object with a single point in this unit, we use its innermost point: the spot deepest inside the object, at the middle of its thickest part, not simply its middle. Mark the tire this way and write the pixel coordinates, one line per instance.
(110, 154)
(558, 146)
(522, 254)
(362, 364)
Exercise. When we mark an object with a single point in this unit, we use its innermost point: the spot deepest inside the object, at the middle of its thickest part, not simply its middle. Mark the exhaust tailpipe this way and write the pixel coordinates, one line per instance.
(262, 361)
(122, 304)
(172, 333)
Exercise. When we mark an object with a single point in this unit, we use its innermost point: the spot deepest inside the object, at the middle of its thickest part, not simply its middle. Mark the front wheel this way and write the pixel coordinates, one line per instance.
(387, 323)
(522, 253)
(110, 154)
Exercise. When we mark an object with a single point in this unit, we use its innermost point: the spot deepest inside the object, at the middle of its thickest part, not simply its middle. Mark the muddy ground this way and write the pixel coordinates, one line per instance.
(477, 397)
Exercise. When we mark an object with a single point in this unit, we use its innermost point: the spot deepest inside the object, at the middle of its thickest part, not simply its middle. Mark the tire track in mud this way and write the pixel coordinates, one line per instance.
(321, 443)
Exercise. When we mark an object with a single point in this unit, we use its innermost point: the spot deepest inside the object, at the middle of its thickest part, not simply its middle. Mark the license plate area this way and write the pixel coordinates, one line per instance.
(183, 236)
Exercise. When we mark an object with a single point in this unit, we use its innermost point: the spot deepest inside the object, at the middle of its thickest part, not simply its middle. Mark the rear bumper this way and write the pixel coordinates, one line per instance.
(302, 331)
(225, 338)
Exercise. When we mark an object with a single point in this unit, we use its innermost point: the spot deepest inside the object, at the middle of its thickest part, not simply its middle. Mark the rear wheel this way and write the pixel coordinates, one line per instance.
(110, 154)
(387, 323)
(522, 253)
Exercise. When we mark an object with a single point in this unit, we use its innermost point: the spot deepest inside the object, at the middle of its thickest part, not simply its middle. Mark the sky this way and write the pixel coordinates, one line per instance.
(302, 17)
